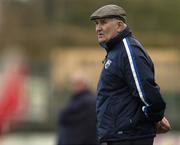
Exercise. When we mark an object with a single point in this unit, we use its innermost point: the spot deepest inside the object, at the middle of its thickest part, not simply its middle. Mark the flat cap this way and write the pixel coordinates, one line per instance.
(109, 11)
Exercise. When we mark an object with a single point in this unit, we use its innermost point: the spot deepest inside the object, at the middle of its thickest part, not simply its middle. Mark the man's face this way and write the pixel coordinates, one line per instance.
(106, 29)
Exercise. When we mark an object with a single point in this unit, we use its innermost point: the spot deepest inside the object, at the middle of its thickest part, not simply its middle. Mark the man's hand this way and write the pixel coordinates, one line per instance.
(163, 126)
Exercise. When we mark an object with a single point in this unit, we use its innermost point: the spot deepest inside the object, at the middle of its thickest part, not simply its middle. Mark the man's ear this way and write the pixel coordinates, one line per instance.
(120, 26)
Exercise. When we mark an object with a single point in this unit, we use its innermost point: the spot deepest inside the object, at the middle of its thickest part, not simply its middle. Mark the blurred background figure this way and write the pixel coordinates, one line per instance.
(12, 100)
(77, 121)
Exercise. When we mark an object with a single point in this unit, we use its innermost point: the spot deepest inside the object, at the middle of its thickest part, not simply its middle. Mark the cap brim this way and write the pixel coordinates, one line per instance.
(110, 16)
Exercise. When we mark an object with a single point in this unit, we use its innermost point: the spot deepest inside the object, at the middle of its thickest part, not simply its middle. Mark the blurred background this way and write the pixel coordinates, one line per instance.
(42, 42)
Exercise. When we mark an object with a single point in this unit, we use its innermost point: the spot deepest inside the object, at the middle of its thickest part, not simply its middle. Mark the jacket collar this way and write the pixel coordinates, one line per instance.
(109, 45)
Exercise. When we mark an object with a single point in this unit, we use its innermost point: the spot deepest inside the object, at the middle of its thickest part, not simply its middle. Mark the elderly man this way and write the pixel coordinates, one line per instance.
(130, 108)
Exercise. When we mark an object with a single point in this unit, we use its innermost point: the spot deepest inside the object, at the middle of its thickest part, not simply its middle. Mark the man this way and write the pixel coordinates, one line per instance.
(78, 119)
(130, 109)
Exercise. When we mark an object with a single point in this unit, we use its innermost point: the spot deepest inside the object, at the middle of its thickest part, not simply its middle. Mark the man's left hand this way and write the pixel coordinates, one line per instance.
(163, 126)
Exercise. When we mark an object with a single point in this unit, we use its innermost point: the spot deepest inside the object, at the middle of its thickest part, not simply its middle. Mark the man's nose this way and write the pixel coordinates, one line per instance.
(98, 27)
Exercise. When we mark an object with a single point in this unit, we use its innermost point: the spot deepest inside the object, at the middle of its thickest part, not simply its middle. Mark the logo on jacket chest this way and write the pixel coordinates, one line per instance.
(107, 64)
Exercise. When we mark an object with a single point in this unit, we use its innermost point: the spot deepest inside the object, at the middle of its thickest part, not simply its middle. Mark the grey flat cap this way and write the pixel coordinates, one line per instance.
(109, 11)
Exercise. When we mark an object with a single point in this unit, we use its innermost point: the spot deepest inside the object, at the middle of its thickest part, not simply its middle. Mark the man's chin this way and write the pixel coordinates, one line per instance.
(101, 41)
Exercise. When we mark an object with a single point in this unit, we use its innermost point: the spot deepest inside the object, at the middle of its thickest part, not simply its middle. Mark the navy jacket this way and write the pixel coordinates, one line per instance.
(129, 102)
(77, 121)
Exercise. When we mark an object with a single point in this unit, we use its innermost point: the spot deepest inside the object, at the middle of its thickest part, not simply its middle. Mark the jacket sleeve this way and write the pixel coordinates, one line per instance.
(139, 75)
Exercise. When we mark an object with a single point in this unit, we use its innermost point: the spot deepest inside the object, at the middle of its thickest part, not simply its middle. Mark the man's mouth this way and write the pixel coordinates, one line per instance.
(100, 35)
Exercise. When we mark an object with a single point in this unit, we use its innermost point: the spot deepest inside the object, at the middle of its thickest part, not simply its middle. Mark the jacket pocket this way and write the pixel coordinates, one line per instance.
(107, 120)
(124, 124)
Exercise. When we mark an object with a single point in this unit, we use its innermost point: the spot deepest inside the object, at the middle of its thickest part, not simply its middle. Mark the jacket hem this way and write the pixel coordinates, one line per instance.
(127, 138)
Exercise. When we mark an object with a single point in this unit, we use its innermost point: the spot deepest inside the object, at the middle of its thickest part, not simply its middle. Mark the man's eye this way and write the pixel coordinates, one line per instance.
(103, 21)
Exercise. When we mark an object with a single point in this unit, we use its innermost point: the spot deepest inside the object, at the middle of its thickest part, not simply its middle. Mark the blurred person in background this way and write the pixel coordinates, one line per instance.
(12, 100)
(130, 109)
(77, 122)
